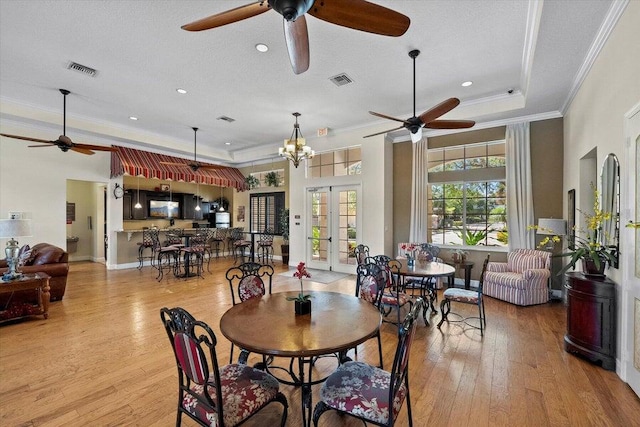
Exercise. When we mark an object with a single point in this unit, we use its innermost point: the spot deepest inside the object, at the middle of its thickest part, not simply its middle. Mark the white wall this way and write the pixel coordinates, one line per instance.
(376, 184)
(595, 119)
(34, 180)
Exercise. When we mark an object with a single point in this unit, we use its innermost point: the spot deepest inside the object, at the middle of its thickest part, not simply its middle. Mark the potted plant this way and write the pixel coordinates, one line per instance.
(272, 179)
(252, 182)
(588, 248)
(284, 228)
(302, 301)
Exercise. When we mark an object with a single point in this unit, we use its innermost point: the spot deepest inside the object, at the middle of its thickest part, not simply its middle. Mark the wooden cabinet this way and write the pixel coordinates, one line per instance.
(143, 212)
(126, 207)
(591, 319)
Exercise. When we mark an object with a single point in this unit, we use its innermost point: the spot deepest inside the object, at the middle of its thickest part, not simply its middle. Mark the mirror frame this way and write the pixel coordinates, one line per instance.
(610, 202)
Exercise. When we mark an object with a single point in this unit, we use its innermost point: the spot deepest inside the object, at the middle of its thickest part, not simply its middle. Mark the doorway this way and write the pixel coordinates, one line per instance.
(333, 227)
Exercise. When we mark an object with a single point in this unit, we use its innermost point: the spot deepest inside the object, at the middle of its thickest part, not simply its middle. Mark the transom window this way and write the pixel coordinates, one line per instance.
(336, 163)
(467, 195)
(272, 178)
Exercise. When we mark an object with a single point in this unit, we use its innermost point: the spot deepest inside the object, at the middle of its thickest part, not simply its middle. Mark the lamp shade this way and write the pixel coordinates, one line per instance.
(10, 228)
(552, 226)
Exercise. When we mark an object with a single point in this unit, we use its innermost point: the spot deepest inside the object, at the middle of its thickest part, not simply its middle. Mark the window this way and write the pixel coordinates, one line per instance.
(336, 163)
(467, 195)
(265, 211)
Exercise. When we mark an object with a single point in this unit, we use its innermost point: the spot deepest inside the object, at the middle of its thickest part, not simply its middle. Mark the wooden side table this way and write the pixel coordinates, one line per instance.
(37, 281)
(467, 266)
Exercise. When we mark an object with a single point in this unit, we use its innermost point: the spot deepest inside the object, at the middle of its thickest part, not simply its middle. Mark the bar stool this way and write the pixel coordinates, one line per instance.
(147, 243)
(265, 246)
(239, 244)
(219, 235)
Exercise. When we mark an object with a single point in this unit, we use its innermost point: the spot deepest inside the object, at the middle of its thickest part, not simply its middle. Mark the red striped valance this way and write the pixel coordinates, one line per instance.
(143, 163)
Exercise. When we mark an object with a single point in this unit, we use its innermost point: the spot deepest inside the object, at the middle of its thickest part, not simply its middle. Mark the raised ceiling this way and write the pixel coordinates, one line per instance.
(538, 49)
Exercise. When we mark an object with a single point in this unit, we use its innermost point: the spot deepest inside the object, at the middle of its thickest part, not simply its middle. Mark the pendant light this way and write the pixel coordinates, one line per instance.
(138, 205)
(197, 195)
(221, 207)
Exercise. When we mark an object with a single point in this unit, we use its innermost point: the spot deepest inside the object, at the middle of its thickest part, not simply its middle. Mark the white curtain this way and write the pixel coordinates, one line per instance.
(419, 182)
(519, 188)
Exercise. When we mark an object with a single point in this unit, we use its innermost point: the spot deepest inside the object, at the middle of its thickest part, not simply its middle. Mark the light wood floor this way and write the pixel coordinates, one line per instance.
(103, 359)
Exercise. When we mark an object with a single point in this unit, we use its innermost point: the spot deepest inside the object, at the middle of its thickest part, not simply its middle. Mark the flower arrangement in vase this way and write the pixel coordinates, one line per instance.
(459, 256)
(410, 252)
(302, 301)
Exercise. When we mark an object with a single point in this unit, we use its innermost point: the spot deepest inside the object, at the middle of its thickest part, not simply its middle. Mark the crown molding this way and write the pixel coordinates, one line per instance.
(613, 15)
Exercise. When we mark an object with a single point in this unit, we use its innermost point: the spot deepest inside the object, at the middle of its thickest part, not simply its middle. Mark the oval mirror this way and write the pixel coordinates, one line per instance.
(610, 202)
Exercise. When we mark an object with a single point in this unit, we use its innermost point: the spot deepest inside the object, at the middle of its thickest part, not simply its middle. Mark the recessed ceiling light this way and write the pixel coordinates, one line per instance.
(227, 143)
(261, 47)
(467, 83)
(133, 118)
(182, 91)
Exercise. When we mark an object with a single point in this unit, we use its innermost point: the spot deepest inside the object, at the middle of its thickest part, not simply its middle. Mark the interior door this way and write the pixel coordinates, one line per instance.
(631, 313)
(333, 227)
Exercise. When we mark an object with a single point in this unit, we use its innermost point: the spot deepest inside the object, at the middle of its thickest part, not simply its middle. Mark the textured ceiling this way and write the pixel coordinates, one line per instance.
(142, 55)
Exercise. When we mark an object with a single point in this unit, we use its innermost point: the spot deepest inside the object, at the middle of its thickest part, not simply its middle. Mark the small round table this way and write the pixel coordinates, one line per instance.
(269, 326)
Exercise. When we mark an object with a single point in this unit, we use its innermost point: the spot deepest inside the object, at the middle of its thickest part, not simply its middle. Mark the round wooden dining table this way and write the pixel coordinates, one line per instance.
(269, 326)
(426, 271)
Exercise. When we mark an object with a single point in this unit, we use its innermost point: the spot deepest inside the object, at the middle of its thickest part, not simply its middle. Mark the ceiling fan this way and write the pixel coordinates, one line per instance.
(355, 14)
(64, 142)
(428, 118)
(195, 165)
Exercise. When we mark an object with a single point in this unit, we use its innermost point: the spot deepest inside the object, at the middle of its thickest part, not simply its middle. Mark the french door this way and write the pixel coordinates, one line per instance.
(333, 227)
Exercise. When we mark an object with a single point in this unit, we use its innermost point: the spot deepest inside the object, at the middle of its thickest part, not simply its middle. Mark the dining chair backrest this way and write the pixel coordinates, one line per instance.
(266, 237)
(194, 347)
(361, 252)
(481, 281)
(430, 249)
(406, 334)
(372, 282)
(383, 261)
(247, 281)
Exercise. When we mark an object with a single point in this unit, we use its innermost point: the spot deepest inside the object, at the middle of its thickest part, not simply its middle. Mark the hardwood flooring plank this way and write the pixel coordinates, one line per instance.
(102, 358)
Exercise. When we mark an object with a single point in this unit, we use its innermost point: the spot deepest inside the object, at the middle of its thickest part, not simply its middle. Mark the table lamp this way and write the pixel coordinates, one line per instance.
(12, 228)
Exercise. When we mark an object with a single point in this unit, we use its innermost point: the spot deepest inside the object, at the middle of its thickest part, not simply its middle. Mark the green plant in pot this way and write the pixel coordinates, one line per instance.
(272, 179)
(252, 182)
(284, 228)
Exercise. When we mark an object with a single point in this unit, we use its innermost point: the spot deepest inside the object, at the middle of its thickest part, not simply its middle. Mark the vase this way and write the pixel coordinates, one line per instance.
(303, 307)
(589, 267)
(411, 261)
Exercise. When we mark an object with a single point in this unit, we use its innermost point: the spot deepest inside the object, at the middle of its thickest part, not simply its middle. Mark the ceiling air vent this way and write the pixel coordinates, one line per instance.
(341, 79)
(82, 68)
(226, 119)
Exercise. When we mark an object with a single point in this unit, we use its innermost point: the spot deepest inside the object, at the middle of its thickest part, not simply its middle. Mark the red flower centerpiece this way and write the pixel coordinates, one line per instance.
(302, 301)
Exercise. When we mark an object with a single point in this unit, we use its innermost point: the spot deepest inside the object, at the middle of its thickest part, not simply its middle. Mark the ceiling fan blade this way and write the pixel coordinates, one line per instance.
(82, 150)
(228, 17)
(384, 131)
(450, 124)
(212, 167)
(173, 164)
(297, 38)
(26, 138)
(94, 147)
(439, 110)
(50, 144)
(361, 15)
(388, 117)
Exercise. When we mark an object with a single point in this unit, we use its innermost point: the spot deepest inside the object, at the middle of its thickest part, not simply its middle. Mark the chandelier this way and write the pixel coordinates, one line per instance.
(294, 148)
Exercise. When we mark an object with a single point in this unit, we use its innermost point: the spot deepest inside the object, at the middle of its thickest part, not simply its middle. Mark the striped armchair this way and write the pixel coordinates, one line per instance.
(522, 280)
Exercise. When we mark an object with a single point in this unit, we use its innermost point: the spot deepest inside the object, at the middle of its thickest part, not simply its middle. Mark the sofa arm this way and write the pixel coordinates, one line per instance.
(538, 276)
(53, 270)
(498, 267)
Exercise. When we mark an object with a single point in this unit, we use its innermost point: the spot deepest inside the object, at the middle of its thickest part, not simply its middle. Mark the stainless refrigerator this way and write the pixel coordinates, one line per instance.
(222, 219)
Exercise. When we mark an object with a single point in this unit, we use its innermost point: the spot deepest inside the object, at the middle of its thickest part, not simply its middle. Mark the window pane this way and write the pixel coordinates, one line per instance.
(454, 159)
(354, 154)
(326, 158)
(326, 170)
(340, 169)
(340, 156)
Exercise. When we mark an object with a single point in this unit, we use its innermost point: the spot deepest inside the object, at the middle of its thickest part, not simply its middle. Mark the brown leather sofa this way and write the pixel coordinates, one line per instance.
(45, 258)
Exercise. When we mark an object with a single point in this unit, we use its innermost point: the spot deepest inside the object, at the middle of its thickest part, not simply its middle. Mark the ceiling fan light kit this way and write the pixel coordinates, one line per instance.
(295, 148)
(427, 119)
(355, 14)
